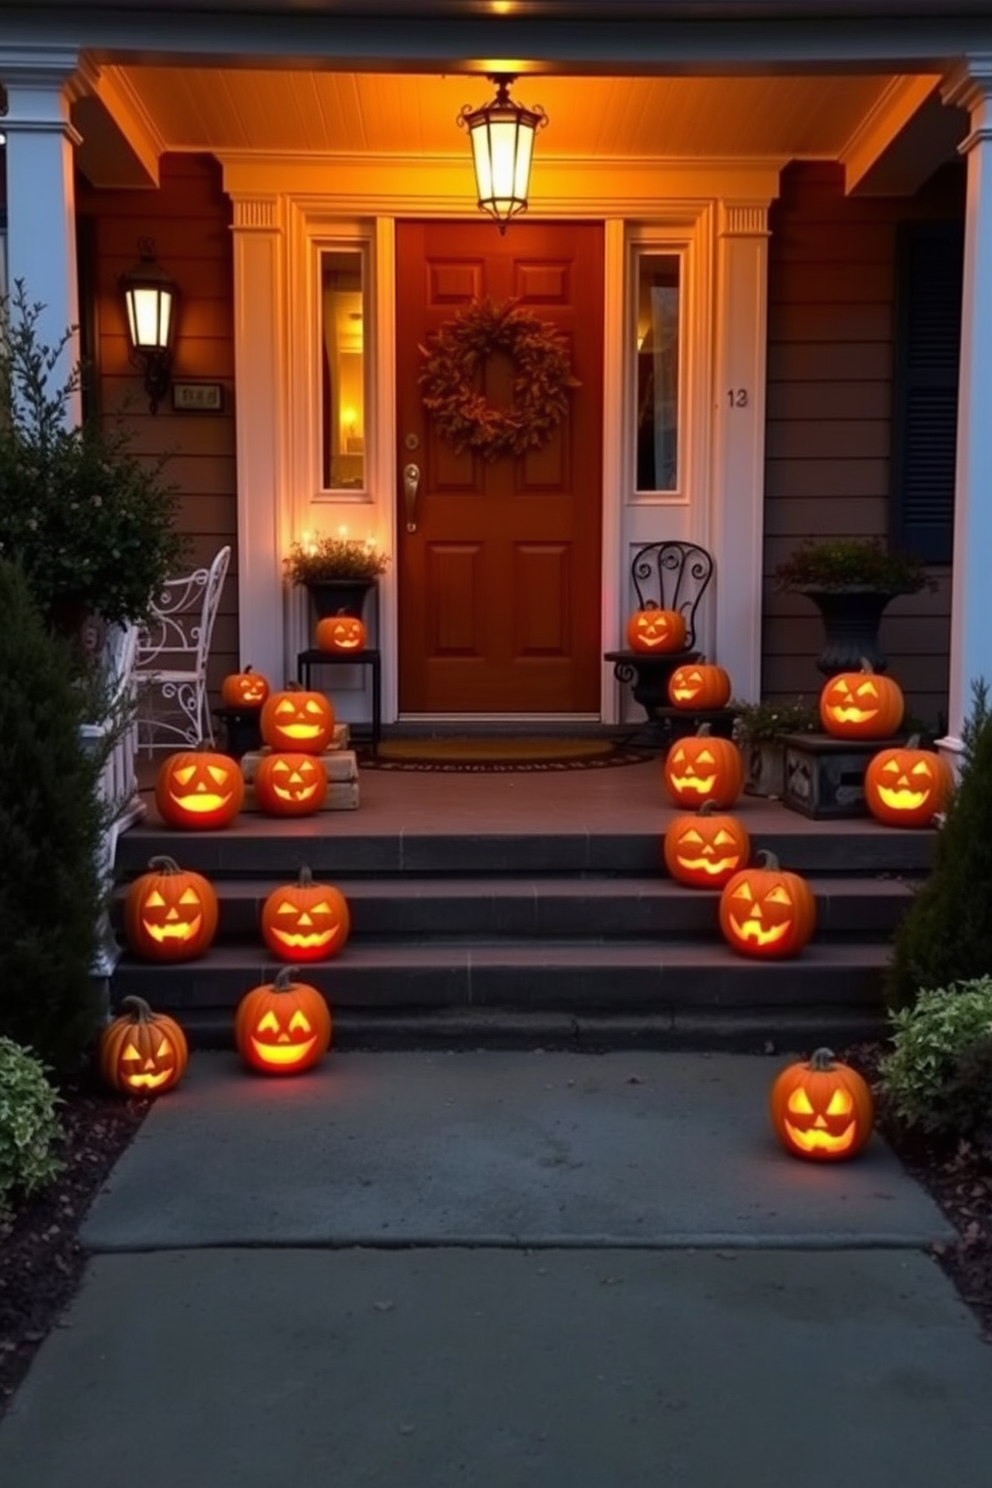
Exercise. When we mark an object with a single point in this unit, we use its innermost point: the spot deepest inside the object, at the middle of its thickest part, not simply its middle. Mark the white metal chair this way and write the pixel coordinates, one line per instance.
(170, 667)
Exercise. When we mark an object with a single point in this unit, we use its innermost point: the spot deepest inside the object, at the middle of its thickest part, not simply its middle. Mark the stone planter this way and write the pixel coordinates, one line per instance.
(765, 762)
(851, 621)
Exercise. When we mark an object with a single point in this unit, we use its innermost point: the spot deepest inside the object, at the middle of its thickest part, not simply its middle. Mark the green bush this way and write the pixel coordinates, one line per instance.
(939, 1072)
(51, 892)
(29, 1124)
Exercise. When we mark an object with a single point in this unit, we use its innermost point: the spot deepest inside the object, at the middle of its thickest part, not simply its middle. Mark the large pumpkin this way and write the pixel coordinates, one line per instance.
(653, 629)
(305, 921)
(861, 705)
(767, 911)
(247, 689)
(703, 768)
(907, 786)
(199, 789)
(341, 632)
(705, 849)
(170, 913)
(699, 685)
(290, 784)
(142, 1053)
(822, 1110)
(282, 1027)
(297, 719)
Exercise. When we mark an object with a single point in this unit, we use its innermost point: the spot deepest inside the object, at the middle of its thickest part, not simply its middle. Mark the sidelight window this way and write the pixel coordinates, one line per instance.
(657, 351)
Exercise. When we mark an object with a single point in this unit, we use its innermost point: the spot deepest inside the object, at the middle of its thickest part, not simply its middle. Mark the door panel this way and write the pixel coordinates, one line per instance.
(499, 585)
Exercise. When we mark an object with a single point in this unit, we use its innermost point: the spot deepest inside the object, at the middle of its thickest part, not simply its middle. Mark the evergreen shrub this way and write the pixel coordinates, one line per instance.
(939, 1072)
(29, 1124)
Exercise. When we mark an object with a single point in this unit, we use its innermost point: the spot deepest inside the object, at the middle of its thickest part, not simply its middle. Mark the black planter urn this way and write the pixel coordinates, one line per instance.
(339, 597)
(851, 618)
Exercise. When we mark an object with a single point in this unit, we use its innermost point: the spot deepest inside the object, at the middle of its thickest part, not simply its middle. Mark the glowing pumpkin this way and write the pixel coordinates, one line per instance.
(170, 913)
(245, 689)
(199, 789)
(341, 632)
(142, 1053)
(822, 1111)
(861, 705)
(702, 768)
(282, 1027)
(305, 921)
(298, 720)
(290, 784)
(766, 911)
(699, 685)
(654, 629)
(907, 786)
(704, 850)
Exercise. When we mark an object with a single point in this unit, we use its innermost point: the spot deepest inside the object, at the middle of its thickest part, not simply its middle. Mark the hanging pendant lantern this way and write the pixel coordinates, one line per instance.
(502, 135)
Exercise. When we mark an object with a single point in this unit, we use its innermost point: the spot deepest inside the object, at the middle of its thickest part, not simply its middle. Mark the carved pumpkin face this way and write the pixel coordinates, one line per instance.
(767, 912)
(142, 1053)
(654, 629)
(823, 1110)
(290, 784)
(341, 633)
(704, 850)
(702, 768)
(305, 921)
(282, 1027)
(170, 913)
(907, 787)
(297, 720)
(699, 686)
(861, 705)
(198, 790)
(245, 689)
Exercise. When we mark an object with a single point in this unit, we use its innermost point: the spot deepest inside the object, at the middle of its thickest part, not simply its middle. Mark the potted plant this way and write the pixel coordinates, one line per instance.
(851, 580)
(759, 730)
(337, 571)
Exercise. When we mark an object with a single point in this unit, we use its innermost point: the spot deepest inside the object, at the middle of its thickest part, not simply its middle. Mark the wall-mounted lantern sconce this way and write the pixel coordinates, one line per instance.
(502, 135)
(150, 297)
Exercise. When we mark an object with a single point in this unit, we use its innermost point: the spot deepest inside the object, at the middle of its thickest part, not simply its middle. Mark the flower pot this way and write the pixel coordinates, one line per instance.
(851, 621)
(339, 597)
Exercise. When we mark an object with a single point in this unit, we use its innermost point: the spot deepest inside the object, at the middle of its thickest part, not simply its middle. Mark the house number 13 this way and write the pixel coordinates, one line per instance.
(737, 397)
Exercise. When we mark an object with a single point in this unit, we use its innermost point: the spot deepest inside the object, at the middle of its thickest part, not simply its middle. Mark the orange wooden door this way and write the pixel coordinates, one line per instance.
(499, 586)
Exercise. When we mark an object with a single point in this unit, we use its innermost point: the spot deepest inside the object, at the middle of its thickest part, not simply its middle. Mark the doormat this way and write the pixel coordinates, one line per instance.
(494, 755)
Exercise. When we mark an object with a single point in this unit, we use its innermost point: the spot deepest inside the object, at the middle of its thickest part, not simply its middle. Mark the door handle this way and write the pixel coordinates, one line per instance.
(411, 484)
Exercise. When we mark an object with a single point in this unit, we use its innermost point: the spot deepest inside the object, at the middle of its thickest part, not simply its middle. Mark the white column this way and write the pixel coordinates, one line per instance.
(41, 204)
(738, 469)
(971, 592)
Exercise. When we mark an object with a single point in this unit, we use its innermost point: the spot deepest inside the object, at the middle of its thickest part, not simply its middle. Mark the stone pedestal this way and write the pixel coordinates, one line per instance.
(824, 776)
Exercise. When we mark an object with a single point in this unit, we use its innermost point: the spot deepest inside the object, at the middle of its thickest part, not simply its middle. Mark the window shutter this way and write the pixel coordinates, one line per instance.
(929, 282)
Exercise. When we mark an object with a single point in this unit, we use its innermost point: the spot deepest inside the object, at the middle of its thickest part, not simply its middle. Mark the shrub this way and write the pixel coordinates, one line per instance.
(837, 562)
(29, 1124)
(51, 894)
(939, 1072)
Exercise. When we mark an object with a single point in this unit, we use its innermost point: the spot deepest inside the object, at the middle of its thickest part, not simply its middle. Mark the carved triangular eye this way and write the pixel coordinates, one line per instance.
(164, 1049)
(923, 768)
(841, 1104)
(778, 895)
(799, 1103)
(743, 891)
(868, 689)
(692, 836)
(723, 839)
(154, 900)
(268, 1024)
(704, 757)
(218, 774)
(131, 1054)
(184, 774)
(299, 1023)
(189, 896)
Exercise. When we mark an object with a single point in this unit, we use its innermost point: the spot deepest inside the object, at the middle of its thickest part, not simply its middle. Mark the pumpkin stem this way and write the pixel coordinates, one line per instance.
(707, 807)
(284, 979)
(913, 742)
(142, 1011)
(248, 668)
(306, 876)
(164, 863)
(866, 665)
(821, 1059)
(767, 859)
(703, 731)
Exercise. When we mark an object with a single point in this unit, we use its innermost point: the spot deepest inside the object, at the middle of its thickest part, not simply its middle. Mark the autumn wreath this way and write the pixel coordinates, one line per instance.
(541, 380)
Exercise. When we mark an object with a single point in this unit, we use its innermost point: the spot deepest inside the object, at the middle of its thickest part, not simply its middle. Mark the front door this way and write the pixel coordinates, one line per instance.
(499, 583)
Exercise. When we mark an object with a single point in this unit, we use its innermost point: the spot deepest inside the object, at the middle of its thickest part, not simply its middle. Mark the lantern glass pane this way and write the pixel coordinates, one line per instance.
(343, 368)
(658, 310)
(143, 313)
(480, 160)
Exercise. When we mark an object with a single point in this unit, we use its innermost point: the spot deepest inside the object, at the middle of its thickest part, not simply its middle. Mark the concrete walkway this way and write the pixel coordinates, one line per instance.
(502, 1269)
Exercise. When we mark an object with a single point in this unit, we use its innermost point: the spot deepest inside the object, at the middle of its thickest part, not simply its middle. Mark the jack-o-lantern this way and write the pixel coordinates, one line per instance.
(305, 921)
(907, 786)
(297, 719)
(142, 1053)
(767, 911)
(699, 685)
(822, 1111)
(654, 629)
(170, 913)
(703, 768)
(341, 632)
(861, 705)
(282, 1027)
(290, 784)
(198, 789)
(704, 849)
(247, 689)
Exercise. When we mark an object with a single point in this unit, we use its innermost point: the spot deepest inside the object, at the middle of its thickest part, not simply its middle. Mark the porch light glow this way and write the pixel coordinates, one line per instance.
(502, 135)
(150, 298)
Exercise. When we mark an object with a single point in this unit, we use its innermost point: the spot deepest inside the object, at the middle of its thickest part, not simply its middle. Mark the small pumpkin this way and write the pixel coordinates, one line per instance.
(170, 913)
(282, 1027)
(704, 849)
(699, 684)
(861, 705)
(654, 630)
(305, 921)
(821, 1110)
(142, 1053)
(297, 720)
(703, 768)
(767, 911)
(199, 789)
(907, 786)
(341, 632)
(247, 689)
(290, 784)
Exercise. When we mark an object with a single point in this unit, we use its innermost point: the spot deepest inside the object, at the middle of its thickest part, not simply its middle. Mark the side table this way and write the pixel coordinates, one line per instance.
(369, 656)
